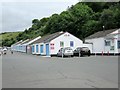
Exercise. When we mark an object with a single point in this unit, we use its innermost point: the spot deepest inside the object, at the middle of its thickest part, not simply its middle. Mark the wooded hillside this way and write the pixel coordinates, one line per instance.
(81, 20)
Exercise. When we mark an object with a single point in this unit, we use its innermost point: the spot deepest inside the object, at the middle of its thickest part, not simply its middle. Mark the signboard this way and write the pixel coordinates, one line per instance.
(66, 35)
(52, 46)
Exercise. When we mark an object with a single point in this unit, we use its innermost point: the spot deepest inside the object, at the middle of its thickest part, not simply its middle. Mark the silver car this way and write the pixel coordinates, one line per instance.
(65, 52)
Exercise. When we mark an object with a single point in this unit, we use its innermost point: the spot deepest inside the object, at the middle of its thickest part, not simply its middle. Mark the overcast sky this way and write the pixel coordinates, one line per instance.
(17, 15)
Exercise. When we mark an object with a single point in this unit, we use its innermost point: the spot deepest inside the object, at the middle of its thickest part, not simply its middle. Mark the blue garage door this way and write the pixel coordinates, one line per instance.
(41, 48)
(37, 48)
(47, 49)
(32, 48)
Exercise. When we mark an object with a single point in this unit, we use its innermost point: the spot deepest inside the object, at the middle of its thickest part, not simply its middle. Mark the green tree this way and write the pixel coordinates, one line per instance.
(35, 21)
(109, 18)
(90, 27)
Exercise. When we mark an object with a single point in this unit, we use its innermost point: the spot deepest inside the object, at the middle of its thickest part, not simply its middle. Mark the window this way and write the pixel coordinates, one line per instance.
(112, 48)
(107, 43)
(118, 44)
(71, 43)
(61, 44)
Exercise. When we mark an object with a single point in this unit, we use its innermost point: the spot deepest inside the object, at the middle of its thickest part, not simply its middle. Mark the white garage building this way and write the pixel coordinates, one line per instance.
(105, 42)
(49, 45)
(15, 47)
(24, 46)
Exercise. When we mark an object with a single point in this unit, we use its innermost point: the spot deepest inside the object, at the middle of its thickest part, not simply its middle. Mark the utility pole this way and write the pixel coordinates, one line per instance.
(103, 28)
(104, 38)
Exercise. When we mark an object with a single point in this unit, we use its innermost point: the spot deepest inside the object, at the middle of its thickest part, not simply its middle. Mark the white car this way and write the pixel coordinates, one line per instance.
(65, 52)
(4, 51)
(0, 52)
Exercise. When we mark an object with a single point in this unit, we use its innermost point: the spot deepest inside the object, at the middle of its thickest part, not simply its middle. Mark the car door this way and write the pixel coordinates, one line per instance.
(59, 52)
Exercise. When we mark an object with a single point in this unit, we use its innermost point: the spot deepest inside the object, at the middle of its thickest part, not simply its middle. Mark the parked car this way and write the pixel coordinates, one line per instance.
(81, 51)
(65, 52)
(4, 51)
(0, 53)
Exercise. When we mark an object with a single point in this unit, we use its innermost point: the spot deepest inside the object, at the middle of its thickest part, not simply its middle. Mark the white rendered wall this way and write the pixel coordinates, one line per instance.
(117, 37)
(98, 44)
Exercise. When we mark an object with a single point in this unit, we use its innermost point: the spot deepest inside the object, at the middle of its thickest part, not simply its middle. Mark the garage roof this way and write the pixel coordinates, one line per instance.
(26, 41)
(48, 38)
(100, 34)
(19, 42)
(29, 41)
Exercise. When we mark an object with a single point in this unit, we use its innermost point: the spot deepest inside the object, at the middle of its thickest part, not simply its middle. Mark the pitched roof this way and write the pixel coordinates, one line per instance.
(28, 41)
(100, 34)
(19, 42)
(25, 41)
(48, 38)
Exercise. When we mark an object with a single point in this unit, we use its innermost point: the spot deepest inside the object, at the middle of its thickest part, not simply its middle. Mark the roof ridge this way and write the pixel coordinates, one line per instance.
(101, 33)
(45, 38)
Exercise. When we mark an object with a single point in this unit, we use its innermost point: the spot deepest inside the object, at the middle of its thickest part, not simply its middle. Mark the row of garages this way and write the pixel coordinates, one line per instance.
(24, 46)
(100, 42)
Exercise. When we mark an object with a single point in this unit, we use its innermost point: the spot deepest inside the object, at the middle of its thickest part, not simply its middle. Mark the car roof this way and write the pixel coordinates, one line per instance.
(82, 47)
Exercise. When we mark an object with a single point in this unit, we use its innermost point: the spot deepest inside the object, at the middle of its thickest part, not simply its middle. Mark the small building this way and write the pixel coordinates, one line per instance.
(107, 41)
(49, 45)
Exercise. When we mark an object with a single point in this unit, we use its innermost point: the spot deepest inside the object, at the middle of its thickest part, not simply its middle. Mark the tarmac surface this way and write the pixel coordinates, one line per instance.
(20, 70)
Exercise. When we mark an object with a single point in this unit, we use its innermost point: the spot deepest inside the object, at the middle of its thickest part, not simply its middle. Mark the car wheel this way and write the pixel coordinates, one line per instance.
(88, 54)
(72, 55)
(81, 55)
(57, 55)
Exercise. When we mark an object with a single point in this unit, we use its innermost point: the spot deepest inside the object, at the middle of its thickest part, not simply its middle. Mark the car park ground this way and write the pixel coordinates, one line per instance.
(20, 70)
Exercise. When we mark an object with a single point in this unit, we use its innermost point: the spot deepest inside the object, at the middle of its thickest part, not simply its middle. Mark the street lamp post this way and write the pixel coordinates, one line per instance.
(104, 38)
(103, 28)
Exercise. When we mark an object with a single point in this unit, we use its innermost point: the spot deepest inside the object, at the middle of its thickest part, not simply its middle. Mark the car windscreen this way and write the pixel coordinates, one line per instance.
(68, 49)
(85, 47)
